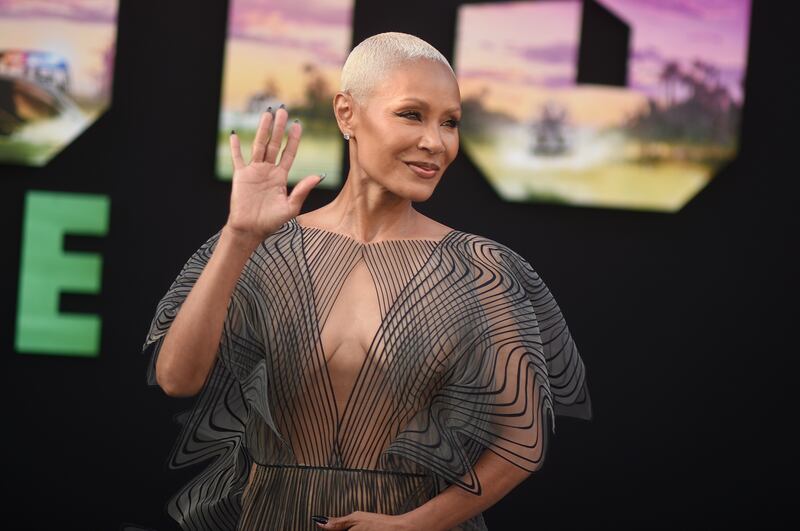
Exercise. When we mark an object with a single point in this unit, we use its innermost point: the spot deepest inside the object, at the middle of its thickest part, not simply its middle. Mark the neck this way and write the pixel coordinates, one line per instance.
(367, 211)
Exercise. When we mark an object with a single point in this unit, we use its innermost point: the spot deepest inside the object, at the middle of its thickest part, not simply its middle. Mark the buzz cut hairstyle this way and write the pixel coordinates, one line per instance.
(374, 57)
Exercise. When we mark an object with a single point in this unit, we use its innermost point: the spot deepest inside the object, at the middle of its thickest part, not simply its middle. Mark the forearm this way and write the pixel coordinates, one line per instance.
(455, 505)
(190, 346)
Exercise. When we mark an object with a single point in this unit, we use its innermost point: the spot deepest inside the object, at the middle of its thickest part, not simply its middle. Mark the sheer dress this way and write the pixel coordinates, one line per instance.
(367, 376)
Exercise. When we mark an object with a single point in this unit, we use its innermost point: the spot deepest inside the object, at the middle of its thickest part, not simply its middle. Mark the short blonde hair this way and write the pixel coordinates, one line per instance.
(374, 57)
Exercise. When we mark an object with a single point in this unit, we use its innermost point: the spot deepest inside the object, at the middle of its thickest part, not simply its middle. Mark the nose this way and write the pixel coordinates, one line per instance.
(431, 140)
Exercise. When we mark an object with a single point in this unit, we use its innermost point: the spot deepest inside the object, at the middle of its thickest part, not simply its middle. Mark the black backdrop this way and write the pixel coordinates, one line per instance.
(679, 317)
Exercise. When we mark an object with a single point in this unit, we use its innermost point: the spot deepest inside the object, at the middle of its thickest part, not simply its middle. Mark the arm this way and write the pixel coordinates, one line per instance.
(190, 345)
(444, 511)
(259, 206)
(455, 505)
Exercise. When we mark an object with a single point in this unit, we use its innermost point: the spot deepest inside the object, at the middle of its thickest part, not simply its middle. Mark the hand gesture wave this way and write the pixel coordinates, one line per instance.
(259, 200)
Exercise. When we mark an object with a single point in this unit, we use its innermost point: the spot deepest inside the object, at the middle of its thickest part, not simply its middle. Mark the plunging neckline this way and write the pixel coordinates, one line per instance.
(435, 246)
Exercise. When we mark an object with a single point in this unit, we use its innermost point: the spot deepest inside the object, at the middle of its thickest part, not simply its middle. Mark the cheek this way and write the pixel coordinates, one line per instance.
(384, 152)
(376, 146)
(399, 144)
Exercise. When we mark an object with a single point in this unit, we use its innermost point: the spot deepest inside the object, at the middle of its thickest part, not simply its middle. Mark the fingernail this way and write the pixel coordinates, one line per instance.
(322, 177)
(282, 106)
(269, 109)
(296, 121)
(320, 519)
(233, 131)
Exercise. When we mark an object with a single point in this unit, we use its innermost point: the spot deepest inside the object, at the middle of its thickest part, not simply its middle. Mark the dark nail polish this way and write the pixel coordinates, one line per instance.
(269, 109)
(296, 121)
(282, 106)
(233, 131)
(320, 519)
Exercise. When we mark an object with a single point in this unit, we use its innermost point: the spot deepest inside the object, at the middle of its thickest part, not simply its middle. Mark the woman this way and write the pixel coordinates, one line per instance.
(355, 364)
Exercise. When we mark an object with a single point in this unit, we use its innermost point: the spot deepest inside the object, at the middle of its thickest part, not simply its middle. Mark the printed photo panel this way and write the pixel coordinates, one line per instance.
(56, 73)
(286, 52)
(647, 134)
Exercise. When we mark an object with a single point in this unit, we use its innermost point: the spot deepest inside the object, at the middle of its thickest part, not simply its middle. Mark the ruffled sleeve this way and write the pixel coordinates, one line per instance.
(566, 372)
(520, 369)
(215, 426)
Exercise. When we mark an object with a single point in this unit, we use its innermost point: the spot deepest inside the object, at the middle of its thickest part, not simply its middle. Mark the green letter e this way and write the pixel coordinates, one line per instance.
(46, 270)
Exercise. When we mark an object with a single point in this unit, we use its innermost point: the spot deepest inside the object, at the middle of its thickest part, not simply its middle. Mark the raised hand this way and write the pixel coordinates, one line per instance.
(259, 202)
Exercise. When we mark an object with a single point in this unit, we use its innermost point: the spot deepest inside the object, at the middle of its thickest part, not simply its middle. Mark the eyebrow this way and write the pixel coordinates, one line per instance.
(423, 103)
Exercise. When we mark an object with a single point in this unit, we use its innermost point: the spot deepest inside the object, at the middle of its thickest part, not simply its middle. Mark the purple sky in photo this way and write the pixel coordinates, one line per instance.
(540, 37)
(312, 25)
(76, 10)
(714, 31)
(247, 16)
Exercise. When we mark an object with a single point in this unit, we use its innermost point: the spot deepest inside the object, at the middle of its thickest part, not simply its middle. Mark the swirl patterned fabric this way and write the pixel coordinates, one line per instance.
(472, 353)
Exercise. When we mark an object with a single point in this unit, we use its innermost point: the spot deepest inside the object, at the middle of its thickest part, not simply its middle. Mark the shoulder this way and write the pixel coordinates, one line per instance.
(488, 253)
(481, 247)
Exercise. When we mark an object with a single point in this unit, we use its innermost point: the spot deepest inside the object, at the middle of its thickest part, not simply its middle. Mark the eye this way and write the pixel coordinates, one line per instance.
(453, 123)
(408, 114)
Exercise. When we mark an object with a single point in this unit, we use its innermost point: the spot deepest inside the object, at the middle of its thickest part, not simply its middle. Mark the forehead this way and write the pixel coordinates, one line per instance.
(424, 81)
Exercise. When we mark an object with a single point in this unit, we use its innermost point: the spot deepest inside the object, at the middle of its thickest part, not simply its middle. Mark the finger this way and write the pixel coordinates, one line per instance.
(262, 136)
(301, 190)
(342, 522)
(290, 151)
(274, 146)
(236, 151)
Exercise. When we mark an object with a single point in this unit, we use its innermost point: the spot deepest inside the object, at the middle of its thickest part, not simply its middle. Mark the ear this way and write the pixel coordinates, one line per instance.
(344, 108)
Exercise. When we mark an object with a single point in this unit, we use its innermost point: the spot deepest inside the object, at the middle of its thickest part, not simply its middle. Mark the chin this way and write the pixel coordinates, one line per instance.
(420, 198)
(414, 191)
(408, 186)
(419, 193)
(417, 189)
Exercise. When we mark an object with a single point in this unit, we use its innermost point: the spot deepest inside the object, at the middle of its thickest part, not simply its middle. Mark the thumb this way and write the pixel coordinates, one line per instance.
(302, 188)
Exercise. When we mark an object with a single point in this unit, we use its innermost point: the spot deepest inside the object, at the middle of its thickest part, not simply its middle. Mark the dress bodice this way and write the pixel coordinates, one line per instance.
(371, 375)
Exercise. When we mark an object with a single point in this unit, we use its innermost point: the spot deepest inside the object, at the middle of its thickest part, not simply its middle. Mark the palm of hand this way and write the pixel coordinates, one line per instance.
(259, 200)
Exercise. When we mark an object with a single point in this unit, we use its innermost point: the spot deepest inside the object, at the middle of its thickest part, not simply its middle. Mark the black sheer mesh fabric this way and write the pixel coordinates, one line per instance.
(470, 352)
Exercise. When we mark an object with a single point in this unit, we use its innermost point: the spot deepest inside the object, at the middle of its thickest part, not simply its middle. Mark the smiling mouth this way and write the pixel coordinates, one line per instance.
(422, 171)
(423, 165)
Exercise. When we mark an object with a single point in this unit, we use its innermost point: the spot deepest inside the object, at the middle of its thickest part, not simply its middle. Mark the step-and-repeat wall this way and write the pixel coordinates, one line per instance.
(613, 143)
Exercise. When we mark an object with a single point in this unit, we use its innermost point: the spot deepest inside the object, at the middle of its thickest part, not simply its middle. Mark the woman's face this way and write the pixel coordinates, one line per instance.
(406, 133)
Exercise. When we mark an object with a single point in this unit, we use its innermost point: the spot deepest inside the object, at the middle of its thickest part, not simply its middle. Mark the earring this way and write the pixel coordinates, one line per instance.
(347, 136)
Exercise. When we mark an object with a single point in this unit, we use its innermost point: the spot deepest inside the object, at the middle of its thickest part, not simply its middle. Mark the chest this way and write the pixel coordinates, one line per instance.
(359, 328)
(352, 320)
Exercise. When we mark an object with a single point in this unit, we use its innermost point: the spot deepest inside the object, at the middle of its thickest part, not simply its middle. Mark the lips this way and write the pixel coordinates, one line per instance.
(425, 173)
(423, 165)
